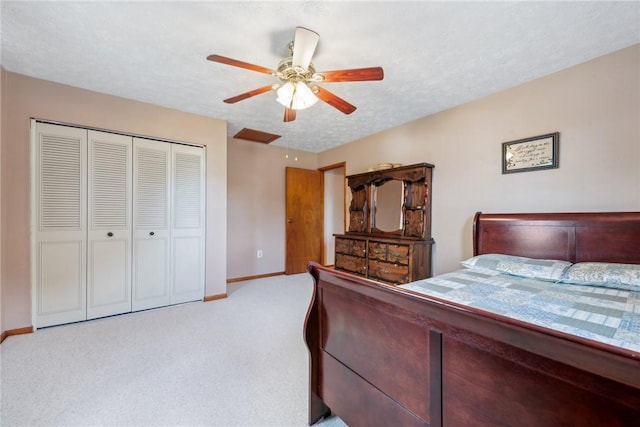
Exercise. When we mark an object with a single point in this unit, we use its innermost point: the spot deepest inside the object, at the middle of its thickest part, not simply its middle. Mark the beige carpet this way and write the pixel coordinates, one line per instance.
(240, 361)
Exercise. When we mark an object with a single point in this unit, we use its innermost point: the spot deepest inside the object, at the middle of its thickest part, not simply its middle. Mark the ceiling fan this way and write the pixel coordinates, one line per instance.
(298, 87)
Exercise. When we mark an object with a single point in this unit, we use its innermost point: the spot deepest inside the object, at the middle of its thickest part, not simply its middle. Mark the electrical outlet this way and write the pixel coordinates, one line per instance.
(259, 253)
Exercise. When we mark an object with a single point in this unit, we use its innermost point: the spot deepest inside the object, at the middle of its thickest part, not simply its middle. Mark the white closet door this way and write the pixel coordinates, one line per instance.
(151, 232)
(187, 219)
(109, 234)
(60, 241)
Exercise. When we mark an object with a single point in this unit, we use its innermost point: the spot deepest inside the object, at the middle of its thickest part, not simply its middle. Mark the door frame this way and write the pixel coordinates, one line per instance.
(324, 169)
(33, 223)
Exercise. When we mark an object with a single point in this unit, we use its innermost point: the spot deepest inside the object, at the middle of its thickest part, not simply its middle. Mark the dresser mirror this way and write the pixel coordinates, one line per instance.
(388, 197)
(388, 238)
(394, 202)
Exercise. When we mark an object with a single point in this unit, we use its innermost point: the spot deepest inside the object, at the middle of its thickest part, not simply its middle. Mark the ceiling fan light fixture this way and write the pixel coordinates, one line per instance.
(298, 88)
(296, 96)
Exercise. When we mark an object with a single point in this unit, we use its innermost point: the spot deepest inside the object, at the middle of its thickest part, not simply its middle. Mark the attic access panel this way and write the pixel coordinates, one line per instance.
(256, 136)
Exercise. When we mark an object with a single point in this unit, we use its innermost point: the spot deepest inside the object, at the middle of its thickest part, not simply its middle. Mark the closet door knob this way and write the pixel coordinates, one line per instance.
(109, 234)
(151, 233)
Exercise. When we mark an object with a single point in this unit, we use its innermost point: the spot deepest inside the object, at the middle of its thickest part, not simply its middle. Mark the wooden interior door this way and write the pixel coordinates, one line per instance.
(304, 215)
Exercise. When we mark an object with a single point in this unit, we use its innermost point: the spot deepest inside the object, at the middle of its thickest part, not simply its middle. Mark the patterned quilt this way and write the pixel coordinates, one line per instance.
(610, 316)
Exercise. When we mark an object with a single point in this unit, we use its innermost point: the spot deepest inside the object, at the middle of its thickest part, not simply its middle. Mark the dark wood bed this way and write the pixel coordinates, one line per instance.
(384, 356)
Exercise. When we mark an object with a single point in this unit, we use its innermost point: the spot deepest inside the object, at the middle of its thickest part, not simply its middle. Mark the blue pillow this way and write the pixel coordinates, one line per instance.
(541, 269)
(608, 275)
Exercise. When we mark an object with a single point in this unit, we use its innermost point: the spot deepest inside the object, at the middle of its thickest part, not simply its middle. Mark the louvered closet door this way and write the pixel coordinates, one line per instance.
(60, 241)
(109, 234)
(187, 218)
(151, 236)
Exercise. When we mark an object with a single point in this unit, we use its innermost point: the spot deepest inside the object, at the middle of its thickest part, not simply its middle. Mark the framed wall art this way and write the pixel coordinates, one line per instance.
(535, 153)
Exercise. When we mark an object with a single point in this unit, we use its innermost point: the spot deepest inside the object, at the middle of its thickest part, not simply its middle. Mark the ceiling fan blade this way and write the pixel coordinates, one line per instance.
(240, 64)
(353, 75)
(249, 94)
(289, 115)
(304, 45)
(334, 100)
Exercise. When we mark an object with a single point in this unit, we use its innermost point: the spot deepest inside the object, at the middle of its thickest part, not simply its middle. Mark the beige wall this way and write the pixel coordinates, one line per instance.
(27, 98)
(596, 108)
(256, 200)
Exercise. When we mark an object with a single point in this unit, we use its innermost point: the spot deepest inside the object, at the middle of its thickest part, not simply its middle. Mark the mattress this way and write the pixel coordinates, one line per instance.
(606, 315)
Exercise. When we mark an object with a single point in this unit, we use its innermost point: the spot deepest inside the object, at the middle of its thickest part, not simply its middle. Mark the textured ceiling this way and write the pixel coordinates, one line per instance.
(436, 55)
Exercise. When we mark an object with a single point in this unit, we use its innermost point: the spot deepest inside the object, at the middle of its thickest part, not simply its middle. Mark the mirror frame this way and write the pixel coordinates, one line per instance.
(416, 203)
(374, 206)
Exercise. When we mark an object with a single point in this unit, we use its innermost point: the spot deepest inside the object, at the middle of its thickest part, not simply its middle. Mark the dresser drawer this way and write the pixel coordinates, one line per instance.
(350, 263)
(390, 252)
(398, 253)
(358, 248)
(389, 272)
(378, 250)
(351, 246)
(386, 258)
(343, 245)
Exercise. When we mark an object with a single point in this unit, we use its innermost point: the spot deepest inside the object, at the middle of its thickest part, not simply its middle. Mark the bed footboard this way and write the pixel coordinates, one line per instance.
(384, 356)
(371, 364)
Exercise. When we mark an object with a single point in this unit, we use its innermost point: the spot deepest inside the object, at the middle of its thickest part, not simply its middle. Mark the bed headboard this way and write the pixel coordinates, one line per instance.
(575, 237)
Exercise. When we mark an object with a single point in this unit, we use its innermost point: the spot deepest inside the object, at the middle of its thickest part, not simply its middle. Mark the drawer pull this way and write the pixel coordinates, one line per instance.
(386, 271)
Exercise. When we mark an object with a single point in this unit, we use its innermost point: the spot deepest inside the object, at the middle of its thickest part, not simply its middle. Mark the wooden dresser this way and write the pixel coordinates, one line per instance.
(389, 235)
